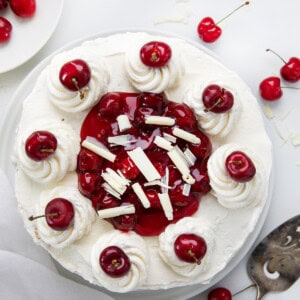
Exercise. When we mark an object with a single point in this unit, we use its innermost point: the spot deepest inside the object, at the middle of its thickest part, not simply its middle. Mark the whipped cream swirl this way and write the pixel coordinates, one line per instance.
(84, 216)
(55, 166)
(217, 124)
(135, 248)
(70, 101)
(148, 79)
(188, 225)
(230, 193)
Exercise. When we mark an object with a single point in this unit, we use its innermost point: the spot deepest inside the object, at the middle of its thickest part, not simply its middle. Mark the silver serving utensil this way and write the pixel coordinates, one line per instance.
(274, 265)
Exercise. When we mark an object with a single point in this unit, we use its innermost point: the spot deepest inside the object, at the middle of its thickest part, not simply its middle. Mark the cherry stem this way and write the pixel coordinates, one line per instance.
(115, 263)
(47, 150)
(192, 254)
(244, 289)
(213, 106)
(242, 5)
(280, 57)
(291, 87)
(81, 93)
(31, 218)
(236, 162)
(154, 56)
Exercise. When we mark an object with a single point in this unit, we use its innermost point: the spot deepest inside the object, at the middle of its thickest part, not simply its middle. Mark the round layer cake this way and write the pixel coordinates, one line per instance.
(141, 162)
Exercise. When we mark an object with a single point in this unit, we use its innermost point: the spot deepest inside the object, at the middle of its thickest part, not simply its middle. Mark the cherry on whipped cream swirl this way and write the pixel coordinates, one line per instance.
(149, 79)
(135, 248)
(57, 165)
(70, 101)
(84, 216)
(216, 124)
(230, 193)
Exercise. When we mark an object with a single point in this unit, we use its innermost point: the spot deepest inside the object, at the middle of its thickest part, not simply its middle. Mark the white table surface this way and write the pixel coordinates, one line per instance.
(264, 24)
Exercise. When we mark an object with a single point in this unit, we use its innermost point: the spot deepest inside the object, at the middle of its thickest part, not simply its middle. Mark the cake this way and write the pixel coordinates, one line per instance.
(152, 166)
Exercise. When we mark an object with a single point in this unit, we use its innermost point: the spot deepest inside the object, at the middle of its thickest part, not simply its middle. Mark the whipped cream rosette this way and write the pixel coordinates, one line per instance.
(229, 192)
(135, 248)
(60, 162)
(216, 124)
(152, 79)
(84, 216)
(188, 225)
(73, 101)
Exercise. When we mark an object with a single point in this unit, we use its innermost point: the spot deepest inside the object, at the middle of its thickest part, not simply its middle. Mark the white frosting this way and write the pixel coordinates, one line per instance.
(219, 124)
(55, 166)
(135, 248)
(186, 225)
(230, 193)
(84, 216)
(147, 79)
(70, 101)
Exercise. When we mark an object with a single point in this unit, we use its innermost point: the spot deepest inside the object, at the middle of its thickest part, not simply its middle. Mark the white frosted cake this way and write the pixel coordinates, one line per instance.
(142, 163)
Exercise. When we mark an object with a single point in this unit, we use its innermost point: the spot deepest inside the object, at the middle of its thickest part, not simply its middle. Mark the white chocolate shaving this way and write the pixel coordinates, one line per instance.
(268, 112)
(141, 194)
(116, 211)
(121, 140)
(185, 135)
(169, 137)
(158, 120)
(190, 157)
(186, 189)
(111, 191)
(123, 123)
(115, 184)
(157, 182)
(162, 143)
(166, 205)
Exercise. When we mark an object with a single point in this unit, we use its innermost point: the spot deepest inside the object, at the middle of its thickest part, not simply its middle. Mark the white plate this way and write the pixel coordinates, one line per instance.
(8, 126)
(29, 35)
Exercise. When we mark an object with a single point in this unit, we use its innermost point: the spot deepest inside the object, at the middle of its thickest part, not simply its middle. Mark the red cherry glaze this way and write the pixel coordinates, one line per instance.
(151, 221)
(199, 172)
(3, 4)
(240, 167)
(219, 294)
(217, 99)
(89, 183)
(40, 144)
(75, 74)
(59, 214)
(190, 248)
(208, 31)
(111, 105)
(114, 261)
(88, 161)
(5, 30)
(155, 54)
(291, 70)
(270, 89)
(23, 8)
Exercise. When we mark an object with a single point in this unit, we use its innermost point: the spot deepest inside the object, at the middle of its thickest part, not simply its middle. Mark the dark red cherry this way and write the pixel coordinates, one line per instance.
(185, 117)
(125, 222)
(23, 8)
(5, 30)
(190, 248)
(152, 196)
(177, 197)
(59, 214)
(88, 161)
(270, 88)
(89, 183)
(3, 4)
(219, 294)
(140, 116)
(114, 261)
(108, 201)
(204, 148)
(75, 74)
(199, 172)
(217, 99)
(240, 167)
(155, 101)
(155, 54)
(40, 144)
(128, 168)
(208, 30)
(111, 105)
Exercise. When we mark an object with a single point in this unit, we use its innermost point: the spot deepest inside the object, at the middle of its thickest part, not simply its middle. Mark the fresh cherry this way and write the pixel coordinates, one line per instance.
(270, 89)
(5, 30)
(23, 8)
(111, 105)
(40, 144)
(155, 54)
(155, 101)
(89, 183)
(240, 167)
(88, 161)
(114, 261)
(59, 214)
(290, 71)
(217, 99)
(3, 4)
(74, 75)
(219, 294)
(190, 248)
(209, 31)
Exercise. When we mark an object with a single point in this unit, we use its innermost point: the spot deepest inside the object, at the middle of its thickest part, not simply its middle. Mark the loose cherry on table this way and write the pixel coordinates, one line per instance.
(190, 248)
(155, 54)
(40, 144)
(5, 30)
(290, 71)
(270, 88)
(209, 31)
(219, 294)
(23, 8)
(217, 99)
(75, 75)
(3, 4)
(59, 214)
